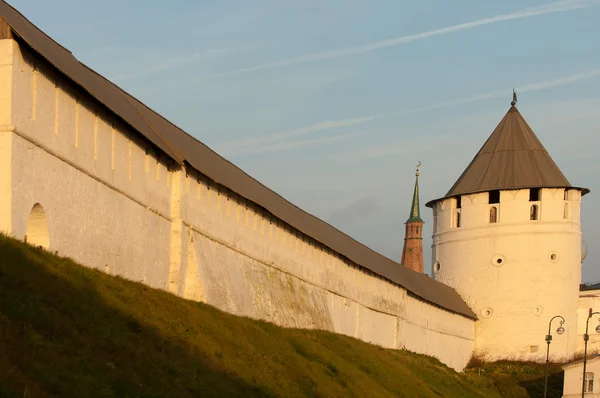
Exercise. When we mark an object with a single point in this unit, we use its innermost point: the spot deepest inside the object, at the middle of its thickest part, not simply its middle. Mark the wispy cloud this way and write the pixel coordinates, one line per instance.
(177, 62)
(264, 148)
(551, 116)
(170, 63)
(260, 144)
(544, 9)
(324, 125)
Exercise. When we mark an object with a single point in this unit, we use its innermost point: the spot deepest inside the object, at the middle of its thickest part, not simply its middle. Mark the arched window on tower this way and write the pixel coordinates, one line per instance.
(533, 212)
(493, 215)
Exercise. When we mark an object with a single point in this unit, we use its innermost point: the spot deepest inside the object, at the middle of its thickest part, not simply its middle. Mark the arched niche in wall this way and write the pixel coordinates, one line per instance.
(37, 227)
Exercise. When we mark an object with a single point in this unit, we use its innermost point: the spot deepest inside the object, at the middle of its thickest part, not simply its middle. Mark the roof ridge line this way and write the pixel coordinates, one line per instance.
(122, 92)
(175, 151)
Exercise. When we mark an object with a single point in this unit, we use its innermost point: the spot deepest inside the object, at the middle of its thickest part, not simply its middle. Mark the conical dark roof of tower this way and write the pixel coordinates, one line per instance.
(512, 158)
(415, 211)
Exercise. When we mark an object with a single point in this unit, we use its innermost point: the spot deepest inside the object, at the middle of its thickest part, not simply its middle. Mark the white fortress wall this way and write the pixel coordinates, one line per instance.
(503, 270)
(106, 204)
(113, 203)
(251, 264)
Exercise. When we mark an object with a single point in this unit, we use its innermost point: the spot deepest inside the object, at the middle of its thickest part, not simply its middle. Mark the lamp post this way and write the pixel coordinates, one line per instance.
(586, 337)
(559, 331)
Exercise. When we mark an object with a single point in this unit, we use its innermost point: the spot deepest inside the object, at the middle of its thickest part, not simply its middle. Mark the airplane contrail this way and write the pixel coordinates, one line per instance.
(254, 144)
(548, 8)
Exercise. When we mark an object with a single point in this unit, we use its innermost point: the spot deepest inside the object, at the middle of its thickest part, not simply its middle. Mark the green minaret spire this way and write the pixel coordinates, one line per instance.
(415, 211)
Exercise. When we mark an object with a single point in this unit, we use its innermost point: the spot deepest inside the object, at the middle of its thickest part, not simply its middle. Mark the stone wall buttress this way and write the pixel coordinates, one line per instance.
(6, 61)
(177, 234)
(5, 182)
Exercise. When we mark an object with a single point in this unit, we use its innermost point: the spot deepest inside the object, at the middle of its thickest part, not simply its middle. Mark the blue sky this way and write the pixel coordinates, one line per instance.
(332, 103)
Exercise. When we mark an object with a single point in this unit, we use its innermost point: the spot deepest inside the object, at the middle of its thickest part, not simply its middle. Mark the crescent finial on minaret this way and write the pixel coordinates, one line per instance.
(418, 165)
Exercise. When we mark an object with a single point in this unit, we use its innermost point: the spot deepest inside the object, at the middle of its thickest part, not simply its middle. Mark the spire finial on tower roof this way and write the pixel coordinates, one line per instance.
(514, 100)
(415, 211)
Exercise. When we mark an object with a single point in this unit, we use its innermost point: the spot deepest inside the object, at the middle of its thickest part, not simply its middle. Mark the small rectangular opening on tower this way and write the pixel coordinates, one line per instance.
(494, 197)
(534, 194)
(458, 202)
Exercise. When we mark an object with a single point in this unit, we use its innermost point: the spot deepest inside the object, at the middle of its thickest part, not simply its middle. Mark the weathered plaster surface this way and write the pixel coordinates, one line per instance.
(114, 204)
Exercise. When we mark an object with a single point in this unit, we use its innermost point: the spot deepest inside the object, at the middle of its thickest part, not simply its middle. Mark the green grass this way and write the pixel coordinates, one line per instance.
(68, 331)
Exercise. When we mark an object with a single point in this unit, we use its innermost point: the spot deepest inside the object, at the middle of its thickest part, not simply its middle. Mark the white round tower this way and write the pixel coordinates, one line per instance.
(507, 238)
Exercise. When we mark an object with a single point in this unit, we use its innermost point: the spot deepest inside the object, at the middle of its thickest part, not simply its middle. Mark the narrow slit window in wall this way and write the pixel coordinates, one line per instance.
(457, 219)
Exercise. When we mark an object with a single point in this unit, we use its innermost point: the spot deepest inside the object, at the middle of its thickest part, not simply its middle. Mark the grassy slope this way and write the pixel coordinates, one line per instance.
(73, 332)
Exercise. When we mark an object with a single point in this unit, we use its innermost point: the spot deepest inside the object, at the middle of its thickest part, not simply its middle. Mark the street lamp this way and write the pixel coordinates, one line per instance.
(586, 337)
(559, 331)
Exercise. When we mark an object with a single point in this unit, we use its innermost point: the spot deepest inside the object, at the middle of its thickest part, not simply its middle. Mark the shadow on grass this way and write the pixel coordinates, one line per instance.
(527, 375)
(535, 387)
(68, 331)
(61, 337)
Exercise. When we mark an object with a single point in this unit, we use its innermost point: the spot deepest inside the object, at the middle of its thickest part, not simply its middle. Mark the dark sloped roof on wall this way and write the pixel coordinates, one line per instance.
(511, 158)
(182, 147)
